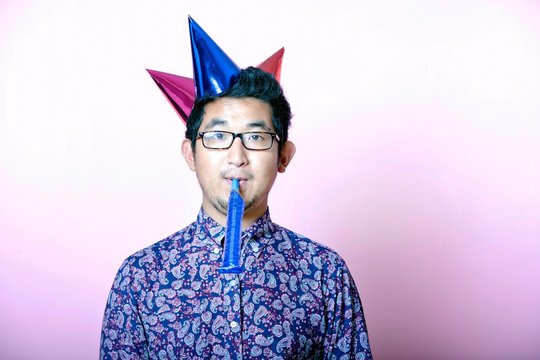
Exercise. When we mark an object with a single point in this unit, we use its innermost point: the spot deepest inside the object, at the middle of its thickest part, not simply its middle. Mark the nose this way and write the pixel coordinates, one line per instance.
(237, 153)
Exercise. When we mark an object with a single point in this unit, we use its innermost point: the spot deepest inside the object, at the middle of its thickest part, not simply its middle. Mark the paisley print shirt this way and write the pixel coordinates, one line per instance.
(295, 299)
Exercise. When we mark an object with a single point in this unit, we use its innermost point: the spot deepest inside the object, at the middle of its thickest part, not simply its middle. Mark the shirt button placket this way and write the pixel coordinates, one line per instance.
(234, 313)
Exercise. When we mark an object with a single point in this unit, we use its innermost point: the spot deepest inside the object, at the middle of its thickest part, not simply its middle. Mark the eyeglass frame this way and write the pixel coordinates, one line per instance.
(200, 135)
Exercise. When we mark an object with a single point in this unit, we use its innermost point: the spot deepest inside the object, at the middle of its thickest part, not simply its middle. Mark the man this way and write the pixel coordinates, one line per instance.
(294, 299)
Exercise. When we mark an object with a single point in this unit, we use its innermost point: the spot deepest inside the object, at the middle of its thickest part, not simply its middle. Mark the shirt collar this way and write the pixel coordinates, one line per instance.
(261, 230)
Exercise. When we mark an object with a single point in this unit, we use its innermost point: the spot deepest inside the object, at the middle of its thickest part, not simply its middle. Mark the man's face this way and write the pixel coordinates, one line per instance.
(256, 169)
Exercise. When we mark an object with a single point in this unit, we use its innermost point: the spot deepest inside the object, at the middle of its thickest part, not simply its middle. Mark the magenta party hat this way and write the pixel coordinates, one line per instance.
(213, 71)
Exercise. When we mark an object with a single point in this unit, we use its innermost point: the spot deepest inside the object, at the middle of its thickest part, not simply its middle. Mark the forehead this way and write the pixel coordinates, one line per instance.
(237, 112)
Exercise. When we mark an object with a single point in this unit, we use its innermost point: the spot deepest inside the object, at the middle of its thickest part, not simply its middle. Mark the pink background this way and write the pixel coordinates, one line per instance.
(417, 125)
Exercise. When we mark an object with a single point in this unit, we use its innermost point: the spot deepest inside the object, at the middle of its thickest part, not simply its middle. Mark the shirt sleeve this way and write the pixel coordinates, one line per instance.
(346, 334)
(122, 333)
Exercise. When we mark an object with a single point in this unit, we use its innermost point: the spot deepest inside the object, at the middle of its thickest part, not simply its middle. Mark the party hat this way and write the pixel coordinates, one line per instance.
(213, 71)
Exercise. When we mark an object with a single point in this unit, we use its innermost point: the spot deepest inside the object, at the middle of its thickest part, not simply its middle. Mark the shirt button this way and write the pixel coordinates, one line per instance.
(234, 324)
(216, 250)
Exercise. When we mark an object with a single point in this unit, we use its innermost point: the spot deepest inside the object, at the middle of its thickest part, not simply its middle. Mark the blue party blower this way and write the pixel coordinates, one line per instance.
(231, 254)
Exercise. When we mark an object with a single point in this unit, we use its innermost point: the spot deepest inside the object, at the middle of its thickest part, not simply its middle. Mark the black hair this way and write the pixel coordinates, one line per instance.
(250, 82)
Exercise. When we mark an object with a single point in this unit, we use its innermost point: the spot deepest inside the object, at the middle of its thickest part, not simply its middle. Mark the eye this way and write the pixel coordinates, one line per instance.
(215, 135)
(256, 137)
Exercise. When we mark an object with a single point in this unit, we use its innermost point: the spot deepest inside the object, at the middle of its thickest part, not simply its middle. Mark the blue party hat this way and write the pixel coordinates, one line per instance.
(212, 68)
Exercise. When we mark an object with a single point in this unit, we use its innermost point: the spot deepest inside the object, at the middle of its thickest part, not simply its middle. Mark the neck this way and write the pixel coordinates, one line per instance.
(220, 216)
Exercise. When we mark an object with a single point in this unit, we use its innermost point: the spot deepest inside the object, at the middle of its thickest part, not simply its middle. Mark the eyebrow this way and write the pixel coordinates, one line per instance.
(258, 124)
(214, 122)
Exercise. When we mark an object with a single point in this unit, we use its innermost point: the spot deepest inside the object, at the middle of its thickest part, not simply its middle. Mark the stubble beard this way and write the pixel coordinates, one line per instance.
(222, 205)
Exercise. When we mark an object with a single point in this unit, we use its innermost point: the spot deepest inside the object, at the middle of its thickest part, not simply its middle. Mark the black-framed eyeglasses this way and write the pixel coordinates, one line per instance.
(254, 140)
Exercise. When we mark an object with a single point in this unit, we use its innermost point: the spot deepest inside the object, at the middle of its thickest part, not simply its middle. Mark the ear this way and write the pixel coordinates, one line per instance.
(287, 152)
(189, 155)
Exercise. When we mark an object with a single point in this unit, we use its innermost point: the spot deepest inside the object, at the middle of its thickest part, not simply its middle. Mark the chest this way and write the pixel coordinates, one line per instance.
(274, 308)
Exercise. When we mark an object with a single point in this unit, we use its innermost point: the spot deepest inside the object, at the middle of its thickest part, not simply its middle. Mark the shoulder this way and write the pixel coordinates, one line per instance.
(157, 255)
(308, 250)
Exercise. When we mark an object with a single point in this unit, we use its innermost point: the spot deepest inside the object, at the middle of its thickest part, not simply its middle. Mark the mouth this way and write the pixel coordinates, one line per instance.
(241, 180)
